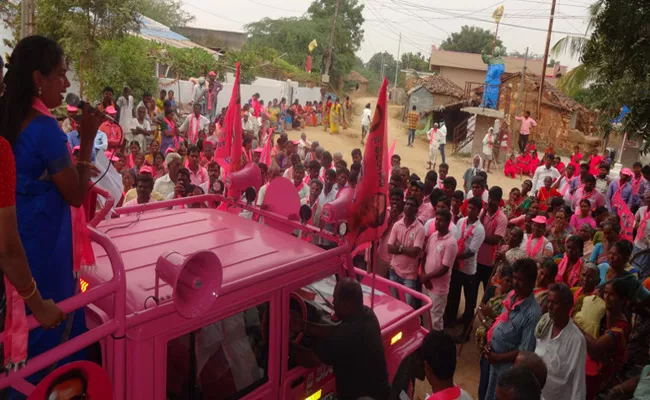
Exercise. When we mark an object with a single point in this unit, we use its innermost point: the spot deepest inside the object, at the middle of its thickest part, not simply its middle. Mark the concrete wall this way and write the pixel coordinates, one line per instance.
(460, 75)
(422, 99)
(224, 40)
(268, 89)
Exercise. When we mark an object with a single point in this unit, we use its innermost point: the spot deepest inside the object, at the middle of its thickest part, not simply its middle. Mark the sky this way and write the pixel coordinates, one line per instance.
(421, 23)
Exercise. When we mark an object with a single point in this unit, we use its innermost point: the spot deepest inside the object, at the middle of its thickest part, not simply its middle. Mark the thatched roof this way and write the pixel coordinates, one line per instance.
(552, 95)
(354, 76)
(437, 84)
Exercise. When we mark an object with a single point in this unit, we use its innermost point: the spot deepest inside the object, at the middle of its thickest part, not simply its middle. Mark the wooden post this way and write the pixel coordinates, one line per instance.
(546, 49)
(328, 53)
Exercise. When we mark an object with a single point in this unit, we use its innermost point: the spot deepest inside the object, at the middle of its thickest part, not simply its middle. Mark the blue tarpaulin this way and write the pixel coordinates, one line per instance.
(492, 82)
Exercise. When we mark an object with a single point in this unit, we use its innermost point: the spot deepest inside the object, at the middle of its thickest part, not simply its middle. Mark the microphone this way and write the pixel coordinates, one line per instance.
(73, 100)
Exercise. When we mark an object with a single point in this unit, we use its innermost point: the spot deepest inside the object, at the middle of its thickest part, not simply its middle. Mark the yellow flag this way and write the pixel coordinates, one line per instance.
(498, 14)
(312, 45)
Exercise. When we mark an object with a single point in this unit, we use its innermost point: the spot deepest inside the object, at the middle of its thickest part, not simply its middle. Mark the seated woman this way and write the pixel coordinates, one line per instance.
(586, 232)
(523, 163)
(534, 161)
(508, 253)
(583, 216)
(607, 351)
(511, 208)
(600, 255)
(48, 183)
(560, 230)
(309, 114)
(510, 168)
(546, 275)
(589, 281)
(570, 268)
(490, 307)
(546, 193)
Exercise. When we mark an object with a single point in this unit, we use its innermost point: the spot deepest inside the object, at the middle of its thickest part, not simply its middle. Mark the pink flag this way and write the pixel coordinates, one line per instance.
(233, 130)
(623, 211)
(369, 209)
(266, 152)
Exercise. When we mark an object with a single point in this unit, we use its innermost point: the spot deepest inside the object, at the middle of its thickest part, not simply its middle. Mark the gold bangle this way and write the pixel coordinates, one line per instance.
(33, 282)
(85, 163)
(30, 295)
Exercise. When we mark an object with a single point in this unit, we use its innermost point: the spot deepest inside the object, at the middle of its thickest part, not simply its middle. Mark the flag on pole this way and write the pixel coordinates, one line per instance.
(498, 14)
(624, 213)
(312, 45)
(369, 209)
(233, 130)
(266, 151)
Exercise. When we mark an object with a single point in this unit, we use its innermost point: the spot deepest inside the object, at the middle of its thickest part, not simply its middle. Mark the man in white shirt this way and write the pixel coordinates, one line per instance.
(298, 177)
(247, 125)
(140, 128)
(365, 122)
(166, 183)
(303, 146)
(562, 346)
(464, 277)
(125, 103)
(194, 124)
(328, 195)
(542, 172)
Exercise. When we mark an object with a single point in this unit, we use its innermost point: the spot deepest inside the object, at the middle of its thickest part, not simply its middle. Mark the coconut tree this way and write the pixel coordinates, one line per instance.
(578, 77)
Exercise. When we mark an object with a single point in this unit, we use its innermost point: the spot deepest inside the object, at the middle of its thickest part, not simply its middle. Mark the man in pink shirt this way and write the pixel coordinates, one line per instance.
(494, 222)
(441, 253)
(588, 191)
(524, 131)
(405, 243)
(198, 174)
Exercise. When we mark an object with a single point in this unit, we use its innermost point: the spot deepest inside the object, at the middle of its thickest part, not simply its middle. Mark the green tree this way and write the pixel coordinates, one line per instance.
(617, 58)
(290, 37)
(167, 12)
(471, 39)
(576, 79)
(123, 61)
(374, 65)
(416, 61)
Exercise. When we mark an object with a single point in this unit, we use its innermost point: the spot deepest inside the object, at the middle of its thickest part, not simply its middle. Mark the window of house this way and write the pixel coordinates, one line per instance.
(221, 361)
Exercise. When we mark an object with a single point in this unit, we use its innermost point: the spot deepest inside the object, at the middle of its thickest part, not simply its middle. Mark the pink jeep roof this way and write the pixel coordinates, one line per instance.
(245, 248)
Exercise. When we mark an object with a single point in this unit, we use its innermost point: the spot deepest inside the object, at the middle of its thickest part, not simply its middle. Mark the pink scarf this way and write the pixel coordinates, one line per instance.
(636, 185)
(172, 126)
(574, 273)
(640, 232)
(538, 246)
(193, 132)
(503, 317)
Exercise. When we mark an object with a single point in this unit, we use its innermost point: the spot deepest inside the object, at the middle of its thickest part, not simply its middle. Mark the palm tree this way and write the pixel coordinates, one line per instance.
(578, 77)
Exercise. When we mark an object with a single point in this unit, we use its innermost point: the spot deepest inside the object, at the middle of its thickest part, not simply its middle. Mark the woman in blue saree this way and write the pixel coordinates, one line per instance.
(48, 183)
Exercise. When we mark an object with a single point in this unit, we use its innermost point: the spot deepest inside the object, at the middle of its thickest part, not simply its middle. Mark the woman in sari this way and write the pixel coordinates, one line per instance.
(534, 162)
(607, 352)
(546, 193)
(170, 137)
(576, 159)
(335, 117)
(600, 255)
(48, 182)
(159, 168)
(511, 208)
(347, 112)
(309, 114)
(327, 107)
(546, 276)
(586, 232)
(559, 232)
(510, 169)
(154, 148)
(523, 163)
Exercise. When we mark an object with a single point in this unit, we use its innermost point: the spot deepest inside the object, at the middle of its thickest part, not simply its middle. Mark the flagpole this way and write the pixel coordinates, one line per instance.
(373, 258)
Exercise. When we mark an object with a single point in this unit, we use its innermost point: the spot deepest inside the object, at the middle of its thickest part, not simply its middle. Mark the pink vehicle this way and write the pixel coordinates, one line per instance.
(194, 303)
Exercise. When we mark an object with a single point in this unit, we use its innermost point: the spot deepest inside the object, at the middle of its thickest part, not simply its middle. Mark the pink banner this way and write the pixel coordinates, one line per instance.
(266, 151)
(369, 209)
(627, 218)
(233, 131)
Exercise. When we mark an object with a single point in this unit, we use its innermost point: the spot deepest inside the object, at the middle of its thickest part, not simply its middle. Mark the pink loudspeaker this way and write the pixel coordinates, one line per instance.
(282, 198)
(196, 280)
(249, 175)
(339, 209)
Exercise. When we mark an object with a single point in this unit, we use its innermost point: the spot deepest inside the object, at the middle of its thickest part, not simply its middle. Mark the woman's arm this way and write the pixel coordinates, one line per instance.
(72, 181)
(598, 347)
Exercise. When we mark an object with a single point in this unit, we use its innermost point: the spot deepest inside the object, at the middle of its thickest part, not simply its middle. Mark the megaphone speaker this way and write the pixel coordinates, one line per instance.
(339, 209)
(196, 280)
(249, 175)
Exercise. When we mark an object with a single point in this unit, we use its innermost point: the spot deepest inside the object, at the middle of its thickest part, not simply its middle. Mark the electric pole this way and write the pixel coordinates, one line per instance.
(327, 62)
(27, 25)
(546, 49)
(382, 66)
(399, 44)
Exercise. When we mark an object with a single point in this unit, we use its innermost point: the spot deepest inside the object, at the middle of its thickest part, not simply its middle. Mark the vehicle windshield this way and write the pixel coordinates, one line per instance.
(224, 360)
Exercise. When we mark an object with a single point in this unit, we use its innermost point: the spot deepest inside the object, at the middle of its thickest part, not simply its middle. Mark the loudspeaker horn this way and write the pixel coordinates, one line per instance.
(338, 209)
(196, 280)
(249, 175)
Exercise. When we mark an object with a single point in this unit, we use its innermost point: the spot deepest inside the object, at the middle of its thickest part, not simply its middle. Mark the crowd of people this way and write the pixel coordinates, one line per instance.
(566, 289)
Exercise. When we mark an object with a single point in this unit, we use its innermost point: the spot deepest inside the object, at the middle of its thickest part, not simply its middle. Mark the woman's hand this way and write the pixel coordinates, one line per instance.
(89, 125)
(48, 314)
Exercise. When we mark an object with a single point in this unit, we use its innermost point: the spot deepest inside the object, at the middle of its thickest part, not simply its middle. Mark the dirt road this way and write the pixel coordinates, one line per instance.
(415, 158)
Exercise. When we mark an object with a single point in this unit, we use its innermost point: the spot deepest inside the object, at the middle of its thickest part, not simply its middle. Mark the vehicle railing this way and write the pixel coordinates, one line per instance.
(116, 326)
(207, 198)
(402, 291)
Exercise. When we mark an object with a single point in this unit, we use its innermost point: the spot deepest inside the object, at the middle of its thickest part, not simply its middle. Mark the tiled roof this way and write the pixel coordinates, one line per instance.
(439, 85)
(354, 76)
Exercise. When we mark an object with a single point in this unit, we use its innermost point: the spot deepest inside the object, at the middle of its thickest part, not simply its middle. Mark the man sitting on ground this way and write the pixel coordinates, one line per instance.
(439, 354)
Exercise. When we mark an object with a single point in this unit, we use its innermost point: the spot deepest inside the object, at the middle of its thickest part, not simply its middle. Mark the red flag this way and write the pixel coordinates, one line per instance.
(233, 130)
(624, 213)
(369, 209)
(266, 151)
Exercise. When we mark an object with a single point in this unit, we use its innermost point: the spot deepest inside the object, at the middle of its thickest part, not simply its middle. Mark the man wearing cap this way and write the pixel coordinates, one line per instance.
(199, 94)
(132, 193)
(536, 245)
(112, 130)
(622, 185)
(543, 171)
(69, 124)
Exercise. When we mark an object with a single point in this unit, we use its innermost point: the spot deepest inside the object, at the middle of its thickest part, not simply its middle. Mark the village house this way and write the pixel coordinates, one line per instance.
(355, 82)
(463, 68)
(562, 121)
